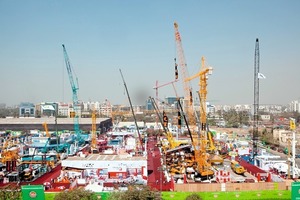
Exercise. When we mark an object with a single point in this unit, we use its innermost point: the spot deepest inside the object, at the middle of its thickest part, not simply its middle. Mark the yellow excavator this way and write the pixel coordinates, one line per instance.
(237, 168)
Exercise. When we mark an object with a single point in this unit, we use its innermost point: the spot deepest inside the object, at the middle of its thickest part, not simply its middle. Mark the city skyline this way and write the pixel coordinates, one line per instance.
(102, 37)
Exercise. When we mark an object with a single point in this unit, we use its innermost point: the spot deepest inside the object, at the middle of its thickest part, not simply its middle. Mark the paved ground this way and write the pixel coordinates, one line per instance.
(41, 180)
(156, 178)
(48, 176)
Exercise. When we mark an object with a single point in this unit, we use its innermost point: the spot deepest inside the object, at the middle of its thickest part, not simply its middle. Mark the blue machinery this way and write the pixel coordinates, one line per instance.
(74, 86)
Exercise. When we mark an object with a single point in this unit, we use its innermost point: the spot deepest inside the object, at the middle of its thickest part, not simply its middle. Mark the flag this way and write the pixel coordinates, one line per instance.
(260, 76)
(48, 107)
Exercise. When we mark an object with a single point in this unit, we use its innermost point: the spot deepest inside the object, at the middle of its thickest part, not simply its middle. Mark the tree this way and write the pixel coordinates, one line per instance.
(134, 193)
(76, 194)
(235, 119)
(193, 196)
(10, 192)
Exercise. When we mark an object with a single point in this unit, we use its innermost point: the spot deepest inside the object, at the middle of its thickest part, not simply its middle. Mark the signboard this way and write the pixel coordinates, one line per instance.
(296, 191)
(33, 192)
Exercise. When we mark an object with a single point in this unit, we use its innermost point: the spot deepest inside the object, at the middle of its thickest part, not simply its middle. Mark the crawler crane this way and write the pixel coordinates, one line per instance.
(75, 88)
(202, 167)
(172, 143)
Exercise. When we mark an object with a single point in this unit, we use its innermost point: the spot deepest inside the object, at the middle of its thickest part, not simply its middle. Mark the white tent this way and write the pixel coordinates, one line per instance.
(94, 187)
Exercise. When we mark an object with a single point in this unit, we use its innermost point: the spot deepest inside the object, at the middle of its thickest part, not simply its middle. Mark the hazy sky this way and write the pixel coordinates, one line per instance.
(137, 37)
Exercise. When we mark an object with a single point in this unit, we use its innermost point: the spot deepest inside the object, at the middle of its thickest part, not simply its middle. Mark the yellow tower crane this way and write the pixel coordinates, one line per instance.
(204, 71)
(94, 147)
(200, 141)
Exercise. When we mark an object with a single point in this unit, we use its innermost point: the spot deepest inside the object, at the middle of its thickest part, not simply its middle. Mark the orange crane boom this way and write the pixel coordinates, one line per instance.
(46, 129)
(94, 136)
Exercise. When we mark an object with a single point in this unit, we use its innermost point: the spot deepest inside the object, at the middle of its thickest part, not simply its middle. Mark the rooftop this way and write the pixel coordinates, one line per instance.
(98, 157)
(48, 120)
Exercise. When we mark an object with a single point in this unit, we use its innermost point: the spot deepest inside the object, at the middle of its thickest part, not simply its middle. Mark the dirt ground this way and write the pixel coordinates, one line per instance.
(242, 131)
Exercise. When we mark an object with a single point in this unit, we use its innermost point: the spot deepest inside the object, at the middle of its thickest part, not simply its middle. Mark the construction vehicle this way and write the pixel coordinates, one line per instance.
(201, 140)
(74, 114)
(211, 146)
(9, 154)
(237, 168)
(94, 148)
(202, 167)
(172, 143)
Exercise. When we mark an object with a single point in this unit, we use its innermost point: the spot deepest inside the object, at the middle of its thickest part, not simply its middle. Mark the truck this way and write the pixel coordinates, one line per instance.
(237, 168)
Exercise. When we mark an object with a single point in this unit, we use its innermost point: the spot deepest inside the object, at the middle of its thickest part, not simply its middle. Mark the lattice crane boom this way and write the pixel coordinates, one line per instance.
(75, 88)
(256, 100)
(200, 142)
(202, 74)
(182, 61)
(184, 73)
(94, 136)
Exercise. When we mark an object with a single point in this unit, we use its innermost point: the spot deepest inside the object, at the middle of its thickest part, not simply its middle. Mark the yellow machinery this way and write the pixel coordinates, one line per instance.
(212, 146)
(7, 154)
(94, 136)
(172, 143)
(200, 141)
(237, 168)
(46, 129)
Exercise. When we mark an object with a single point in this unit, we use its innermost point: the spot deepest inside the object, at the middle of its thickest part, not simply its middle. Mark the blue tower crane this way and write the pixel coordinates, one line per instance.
(74, 86)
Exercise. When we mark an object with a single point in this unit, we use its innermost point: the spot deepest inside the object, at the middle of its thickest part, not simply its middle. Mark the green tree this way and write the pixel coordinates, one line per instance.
(193, 196)
(76, 194)
(10, 192)
(235, 119)
(231, 118)
(134, 193)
